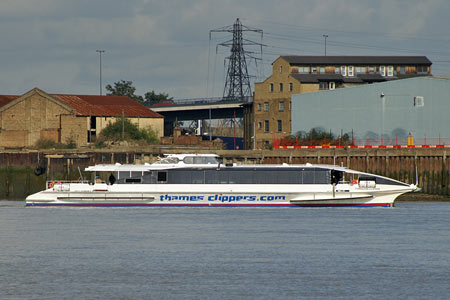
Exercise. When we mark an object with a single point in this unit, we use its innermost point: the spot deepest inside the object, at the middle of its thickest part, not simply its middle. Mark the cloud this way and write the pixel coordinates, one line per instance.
(163, 45)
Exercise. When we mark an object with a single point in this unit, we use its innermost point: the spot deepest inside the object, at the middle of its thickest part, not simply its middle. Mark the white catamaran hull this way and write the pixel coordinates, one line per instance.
(126, 195)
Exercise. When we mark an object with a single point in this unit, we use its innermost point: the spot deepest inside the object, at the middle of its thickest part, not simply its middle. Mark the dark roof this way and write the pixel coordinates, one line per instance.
(373, 77)
(357, 60)
(315, 78)
(106, 106)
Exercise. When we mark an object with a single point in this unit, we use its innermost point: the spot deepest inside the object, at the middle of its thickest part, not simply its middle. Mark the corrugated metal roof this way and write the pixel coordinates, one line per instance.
(357, 60)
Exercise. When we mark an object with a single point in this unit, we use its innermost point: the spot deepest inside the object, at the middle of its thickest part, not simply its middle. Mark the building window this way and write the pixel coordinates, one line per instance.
(383, 70)
(390, 71)
(371, 70)
(323, 85)
(303, 69)
(266, 106)
(281, 106)
(337, 70)
(291, 86)
(280, 126)
(422, 69)
(331, 85)
(266, 125)
(281, 86)
(351, 71)
(344, 70)
(313, 70)
(321, 70)
(259, 125)
(361, 70)
(281, 69)
(259, 106)
(271, 87)
(419, 101)
(402, 70)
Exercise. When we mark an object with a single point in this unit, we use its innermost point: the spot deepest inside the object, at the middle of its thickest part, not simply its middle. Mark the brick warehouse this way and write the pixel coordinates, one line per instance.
(304, 74)
(37, 115)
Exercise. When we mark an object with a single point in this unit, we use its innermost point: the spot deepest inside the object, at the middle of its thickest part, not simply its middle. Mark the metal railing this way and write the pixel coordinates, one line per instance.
(203, 101)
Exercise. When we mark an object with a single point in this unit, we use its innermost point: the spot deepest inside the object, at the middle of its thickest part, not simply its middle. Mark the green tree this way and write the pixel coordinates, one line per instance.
(124, 88)
(152, 98)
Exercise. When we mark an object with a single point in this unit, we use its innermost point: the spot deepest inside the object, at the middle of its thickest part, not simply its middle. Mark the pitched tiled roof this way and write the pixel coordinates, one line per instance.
(106, 106)
(5, 99)
(100, 106)
(357, 60)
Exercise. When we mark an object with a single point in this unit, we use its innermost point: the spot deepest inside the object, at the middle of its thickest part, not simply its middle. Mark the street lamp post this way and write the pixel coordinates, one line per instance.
(100, 53)
(383, 108)
(325, 37)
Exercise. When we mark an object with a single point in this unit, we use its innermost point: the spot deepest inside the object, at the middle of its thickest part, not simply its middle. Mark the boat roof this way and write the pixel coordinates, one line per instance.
(162, 166)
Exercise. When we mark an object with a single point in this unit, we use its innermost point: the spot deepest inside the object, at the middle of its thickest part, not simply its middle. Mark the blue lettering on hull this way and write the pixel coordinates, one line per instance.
(222, 198)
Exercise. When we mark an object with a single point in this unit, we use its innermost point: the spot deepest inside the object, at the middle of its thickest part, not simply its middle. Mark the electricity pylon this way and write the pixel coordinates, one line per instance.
(237, 83)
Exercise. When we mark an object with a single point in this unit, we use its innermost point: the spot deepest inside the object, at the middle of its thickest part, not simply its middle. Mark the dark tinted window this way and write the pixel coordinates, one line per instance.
(136, 174)
(308, 177)
(197, 177)
(124, 174)
(149, 177)
(162, 176)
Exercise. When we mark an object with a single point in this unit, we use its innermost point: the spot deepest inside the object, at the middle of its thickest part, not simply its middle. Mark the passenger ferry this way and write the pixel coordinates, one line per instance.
(202, 180)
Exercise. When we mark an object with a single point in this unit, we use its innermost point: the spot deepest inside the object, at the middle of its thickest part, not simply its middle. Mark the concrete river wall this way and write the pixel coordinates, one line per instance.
(23, 173)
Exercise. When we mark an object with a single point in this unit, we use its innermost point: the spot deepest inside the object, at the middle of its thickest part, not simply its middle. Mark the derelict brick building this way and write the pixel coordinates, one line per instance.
(80, 118)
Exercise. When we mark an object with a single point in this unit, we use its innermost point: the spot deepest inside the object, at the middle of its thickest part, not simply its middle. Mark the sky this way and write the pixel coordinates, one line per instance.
(166, 46)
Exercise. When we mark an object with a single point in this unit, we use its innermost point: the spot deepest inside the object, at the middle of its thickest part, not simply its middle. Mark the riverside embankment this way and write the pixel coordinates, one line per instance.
(26, 172)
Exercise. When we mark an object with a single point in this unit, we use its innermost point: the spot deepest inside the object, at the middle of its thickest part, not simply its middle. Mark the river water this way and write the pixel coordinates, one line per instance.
(225, 253)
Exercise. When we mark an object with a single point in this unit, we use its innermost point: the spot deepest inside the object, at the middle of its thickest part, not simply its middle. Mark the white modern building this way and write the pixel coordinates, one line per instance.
(392, 110)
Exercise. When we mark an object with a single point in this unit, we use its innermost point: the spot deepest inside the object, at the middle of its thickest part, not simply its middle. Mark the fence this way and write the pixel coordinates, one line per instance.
(405, 142)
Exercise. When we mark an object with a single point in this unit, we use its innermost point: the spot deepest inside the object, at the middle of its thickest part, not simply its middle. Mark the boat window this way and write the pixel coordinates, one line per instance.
(290, 177)
(133, 180)
(197, 177)
(247, 176)
(322, 177)
(124, 174)
(162, 176)
(210, 176)
(149, 177)
(380, 180)
(188, 160)
(222, 177)
(180, 176)
(212, 160)
(199, 160)
(168, 160)
(308, 177)
(135, 174)
(241, 177)
(336, 176)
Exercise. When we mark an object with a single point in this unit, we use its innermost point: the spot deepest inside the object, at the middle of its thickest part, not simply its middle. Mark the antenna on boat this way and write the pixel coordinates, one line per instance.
(415, 169)
(417, 176)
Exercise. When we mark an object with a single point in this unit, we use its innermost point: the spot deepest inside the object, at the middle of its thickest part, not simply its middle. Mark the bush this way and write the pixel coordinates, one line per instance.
(113, 132)
(44, 143)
